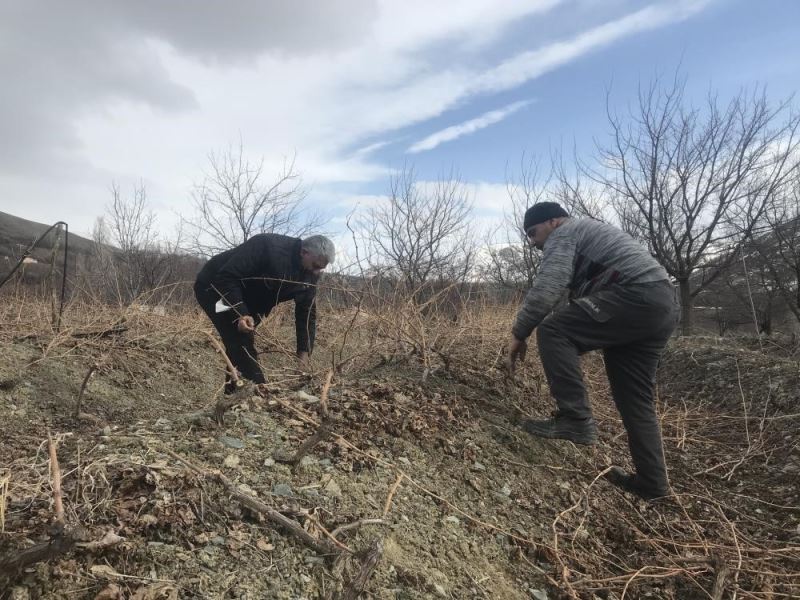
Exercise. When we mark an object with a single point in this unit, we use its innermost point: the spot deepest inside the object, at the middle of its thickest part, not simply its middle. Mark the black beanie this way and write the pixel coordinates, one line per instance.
(541, 212)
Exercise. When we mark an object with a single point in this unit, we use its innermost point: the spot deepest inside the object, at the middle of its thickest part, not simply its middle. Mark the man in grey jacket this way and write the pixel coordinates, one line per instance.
(621, 301)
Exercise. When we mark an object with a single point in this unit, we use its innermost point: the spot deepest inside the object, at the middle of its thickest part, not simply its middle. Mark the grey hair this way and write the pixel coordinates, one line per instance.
(320, 246)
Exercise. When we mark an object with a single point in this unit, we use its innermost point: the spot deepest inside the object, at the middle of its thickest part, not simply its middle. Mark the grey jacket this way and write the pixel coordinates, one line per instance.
(584, 256)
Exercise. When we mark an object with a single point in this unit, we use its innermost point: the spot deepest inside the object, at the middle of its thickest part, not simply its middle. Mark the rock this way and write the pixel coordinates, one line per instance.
(452, 519)
(106, 430)
(218, 540)
(231, 442)
(305, 397)
(282, 489)
(325, 463)
(478, 466)
(332, 489)
(246, 490)
(207, 559)
(269, 462)
(505, 490)
(307, 461)
(538, 594)
(440, 590)
(163, 422)
(231, 461)
(249, 423)
(404, 460)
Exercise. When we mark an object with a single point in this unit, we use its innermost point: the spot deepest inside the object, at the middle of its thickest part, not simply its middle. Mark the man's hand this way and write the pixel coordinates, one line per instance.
(303, 358)
(516, 351)
(246, 324)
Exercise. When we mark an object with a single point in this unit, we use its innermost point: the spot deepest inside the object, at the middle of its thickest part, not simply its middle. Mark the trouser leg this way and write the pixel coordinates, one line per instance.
(631, 373)
(239, 347)
(561, 362)
(610, 318)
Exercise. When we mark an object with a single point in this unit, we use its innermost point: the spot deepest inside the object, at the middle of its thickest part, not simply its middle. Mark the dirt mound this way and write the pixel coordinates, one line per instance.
(425, 457)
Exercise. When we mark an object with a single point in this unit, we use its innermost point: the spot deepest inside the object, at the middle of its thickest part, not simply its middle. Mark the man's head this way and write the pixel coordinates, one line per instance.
(316, 253)
(541, 220)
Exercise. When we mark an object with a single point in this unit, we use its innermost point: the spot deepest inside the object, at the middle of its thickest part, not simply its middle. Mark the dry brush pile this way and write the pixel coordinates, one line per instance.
(395, 466)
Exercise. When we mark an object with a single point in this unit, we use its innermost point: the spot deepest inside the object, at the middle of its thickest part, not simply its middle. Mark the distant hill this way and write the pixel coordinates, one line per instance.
(17, 234)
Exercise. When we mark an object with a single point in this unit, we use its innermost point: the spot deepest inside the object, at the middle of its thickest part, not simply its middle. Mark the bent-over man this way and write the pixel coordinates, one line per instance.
(240, 286)
(621, 301)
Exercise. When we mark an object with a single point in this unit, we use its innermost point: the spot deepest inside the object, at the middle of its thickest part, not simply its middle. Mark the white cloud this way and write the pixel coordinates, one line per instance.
(456, 131)
(130, 96)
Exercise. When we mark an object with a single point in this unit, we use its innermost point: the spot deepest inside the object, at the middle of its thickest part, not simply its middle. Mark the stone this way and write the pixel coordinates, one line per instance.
(404, 460)
(269, 462)
(453, 520)
(478, 466)
(282, 489)
(332, 489)
(307, 461)
(231, 442)
(231, 461)
(305, 397)
(249, 423)
(538, 594)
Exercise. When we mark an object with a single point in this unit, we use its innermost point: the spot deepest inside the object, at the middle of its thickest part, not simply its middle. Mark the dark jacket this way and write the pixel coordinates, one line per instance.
(262, 272)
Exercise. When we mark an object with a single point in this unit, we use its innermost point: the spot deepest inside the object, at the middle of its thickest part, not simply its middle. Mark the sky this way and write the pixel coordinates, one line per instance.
(102, 92)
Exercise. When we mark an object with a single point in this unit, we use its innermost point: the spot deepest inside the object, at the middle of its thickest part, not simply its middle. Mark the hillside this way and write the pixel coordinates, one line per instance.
(425, 468)
(17, 234)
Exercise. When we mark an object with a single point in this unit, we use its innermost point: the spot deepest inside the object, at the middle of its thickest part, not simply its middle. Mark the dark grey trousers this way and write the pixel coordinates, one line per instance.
(240, 347)
(631, 324)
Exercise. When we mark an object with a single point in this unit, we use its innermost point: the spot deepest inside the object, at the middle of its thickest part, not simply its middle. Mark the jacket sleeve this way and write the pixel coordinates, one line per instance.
(305, 319)
(250, 260)
(555, 274)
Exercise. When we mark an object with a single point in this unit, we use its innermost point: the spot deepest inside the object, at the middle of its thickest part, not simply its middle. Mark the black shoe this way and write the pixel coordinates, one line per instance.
(631, 483)
(561, 428)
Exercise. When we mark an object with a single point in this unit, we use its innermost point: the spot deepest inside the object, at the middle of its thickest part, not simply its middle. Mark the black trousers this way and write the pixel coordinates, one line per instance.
(631, 325)
(239, 346)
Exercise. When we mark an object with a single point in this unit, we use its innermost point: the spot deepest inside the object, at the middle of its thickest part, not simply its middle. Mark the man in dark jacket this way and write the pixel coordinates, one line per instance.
(621, 301)
(240, 286)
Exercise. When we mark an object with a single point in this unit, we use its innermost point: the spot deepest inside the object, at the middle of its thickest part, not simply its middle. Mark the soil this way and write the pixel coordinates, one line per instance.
(482, 510)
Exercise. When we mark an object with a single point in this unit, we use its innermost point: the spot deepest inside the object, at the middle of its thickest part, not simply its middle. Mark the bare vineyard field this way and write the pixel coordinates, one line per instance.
(421, 486)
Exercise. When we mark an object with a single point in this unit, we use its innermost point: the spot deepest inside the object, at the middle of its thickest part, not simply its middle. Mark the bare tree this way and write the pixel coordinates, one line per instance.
(129, 258)
(421, 233)
(235, 201)
(512, 261)
(693, 184)
(778, 248)
(573, 188)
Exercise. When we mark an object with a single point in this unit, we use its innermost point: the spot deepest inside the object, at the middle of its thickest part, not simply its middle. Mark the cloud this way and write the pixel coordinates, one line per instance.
(62, 61)
(117, 90)
(532, 64)
(456, 131)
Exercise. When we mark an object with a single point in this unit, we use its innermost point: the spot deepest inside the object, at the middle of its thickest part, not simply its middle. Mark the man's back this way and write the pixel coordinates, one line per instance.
(584, 256)
(603, 255)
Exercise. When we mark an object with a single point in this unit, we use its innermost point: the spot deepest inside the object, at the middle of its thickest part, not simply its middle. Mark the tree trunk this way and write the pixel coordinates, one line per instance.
(686, 306)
